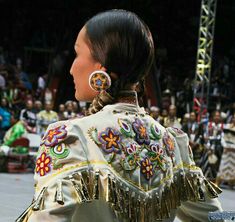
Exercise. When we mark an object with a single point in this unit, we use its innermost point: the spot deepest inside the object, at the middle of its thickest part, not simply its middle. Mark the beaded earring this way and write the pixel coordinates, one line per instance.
(99, 80)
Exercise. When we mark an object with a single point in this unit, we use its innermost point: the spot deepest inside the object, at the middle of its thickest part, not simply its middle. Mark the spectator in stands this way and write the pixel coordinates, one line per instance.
(48, 96)
(37, 107)
(61, 112)
(230, 113)
(164, 115)
(28, 117)
(213, 135)
(69, 114)
(2, 81)
(191, 128)
(227, 166)
(155, 113)
(166, 99)
(10, 92)
(46, 117)
(5, 117)
(75, 107)
(23, 76)
(16, 131)
(185, 120)
(42, 82)
(172, 120)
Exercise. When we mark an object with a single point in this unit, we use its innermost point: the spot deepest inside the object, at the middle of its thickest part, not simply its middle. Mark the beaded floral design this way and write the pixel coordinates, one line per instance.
(43, 164)
(157, 156)
(135, 145)
(131, 158)
(170, 146)
(60, 151)
(155, 132)
(54, 136)
(141, 132)
(126, 128)
(146, 168)
(110, 140)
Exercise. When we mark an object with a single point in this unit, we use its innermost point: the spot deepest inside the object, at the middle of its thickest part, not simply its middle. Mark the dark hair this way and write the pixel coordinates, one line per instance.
(123, 44)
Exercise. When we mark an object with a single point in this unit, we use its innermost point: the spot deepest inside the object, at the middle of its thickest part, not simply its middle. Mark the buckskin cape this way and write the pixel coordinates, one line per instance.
(118, 165)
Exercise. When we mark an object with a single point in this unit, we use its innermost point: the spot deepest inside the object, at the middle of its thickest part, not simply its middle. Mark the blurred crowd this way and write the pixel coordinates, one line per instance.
(36, 116)
(28, 106)
(211, 139)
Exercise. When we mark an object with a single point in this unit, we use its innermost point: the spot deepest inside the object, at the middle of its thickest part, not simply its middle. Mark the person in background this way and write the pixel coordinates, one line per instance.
(28, 117)
(42, 82)
(230, 113)
(164, 115)
(46, 117)
(48, 96)
(37, 106)
(5, 117)
(185, 120)
(155, 113)
(11, 93)
(68, 113)
(226, 173)
(172, 120)
(75, 107)
(61, 112)
(23, 76)
(2, 81)
(192, 129)
(16, 131)
(41, 85)
(213, 140)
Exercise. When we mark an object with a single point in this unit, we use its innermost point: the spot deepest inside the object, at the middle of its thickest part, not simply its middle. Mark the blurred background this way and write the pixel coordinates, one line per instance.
(37, 49)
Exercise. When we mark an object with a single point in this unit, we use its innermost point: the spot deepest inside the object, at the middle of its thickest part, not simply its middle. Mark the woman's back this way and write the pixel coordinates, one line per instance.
(118, 157)
(142, 170)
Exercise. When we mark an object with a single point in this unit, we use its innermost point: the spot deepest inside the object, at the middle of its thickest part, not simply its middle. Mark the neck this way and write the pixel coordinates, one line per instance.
(127, 96)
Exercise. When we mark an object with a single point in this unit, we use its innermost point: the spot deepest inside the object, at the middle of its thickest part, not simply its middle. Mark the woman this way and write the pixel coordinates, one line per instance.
(117, 163)
(226, 172)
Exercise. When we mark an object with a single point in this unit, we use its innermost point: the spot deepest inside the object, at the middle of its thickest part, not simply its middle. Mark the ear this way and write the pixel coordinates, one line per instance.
(98, 66)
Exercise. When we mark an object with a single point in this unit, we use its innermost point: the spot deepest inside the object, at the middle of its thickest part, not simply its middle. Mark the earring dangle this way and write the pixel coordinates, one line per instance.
(99, 80)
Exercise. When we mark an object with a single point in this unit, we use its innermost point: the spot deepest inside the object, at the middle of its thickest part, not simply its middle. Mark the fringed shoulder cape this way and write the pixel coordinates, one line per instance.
(118, 165)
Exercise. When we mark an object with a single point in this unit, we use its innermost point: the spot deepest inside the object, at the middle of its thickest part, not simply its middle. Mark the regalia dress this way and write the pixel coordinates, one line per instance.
(211, 157)
(118, 165)
(226, 172)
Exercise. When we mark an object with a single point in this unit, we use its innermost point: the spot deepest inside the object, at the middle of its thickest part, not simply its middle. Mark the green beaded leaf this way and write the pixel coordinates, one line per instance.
(60, 151)
(125, 128)
(155, 132)
(93, 134)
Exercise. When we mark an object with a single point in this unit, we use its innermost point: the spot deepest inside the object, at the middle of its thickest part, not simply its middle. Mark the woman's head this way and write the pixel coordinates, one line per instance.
(117, 42)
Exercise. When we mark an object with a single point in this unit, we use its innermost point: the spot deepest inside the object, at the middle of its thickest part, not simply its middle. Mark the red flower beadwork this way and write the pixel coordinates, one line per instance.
(147, 168)
(43, 164)
(53, 136)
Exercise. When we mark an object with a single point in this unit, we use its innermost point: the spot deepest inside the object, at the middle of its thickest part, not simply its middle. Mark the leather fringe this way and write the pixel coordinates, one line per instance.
(59, 197)
(127, 201)
(38, 205)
